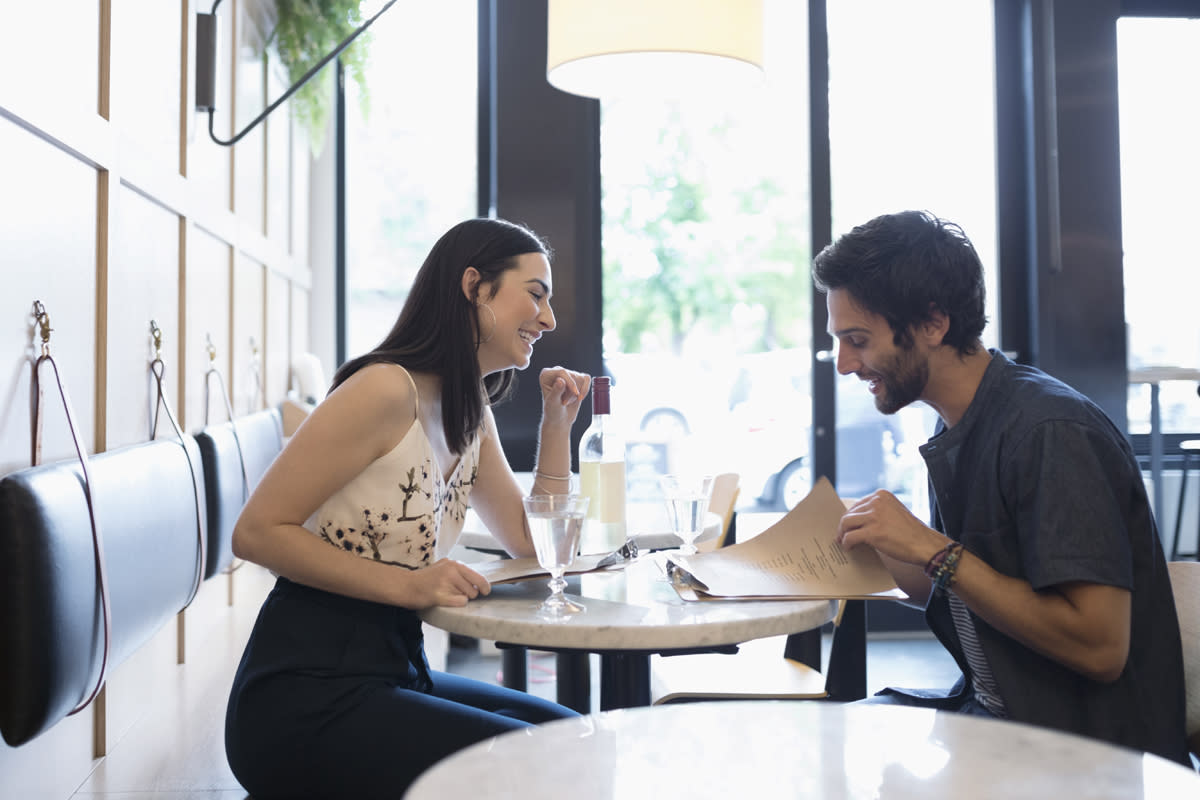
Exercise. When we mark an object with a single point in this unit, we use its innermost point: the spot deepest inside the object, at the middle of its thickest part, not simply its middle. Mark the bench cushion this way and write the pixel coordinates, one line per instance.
(51, 620)
(260, 437)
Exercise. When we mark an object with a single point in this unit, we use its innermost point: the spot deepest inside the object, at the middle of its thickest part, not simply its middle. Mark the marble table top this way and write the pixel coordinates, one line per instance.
(633, 608)
(1162, 374)
(774, 749)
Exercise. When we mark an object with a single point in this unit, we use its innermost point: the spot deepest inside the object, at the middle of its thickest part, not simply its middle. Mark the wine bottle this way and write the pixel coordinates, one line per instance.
(602, 475)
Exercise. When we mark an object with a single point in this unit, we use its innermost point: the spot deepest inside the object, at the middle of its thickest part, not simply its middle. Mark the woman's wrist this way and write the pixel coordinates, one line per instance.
(556, 421)
(551, 477)
(552, 484)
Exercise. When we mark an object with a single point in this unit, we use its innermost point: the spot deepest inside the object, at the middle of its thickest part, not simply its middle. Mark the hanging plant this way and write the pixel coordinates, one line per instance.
(305, 32)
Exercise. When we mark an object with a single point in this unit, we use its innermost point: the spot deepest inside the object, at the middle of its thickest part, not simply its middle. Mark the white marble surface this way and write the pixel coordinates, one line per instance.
(629, 609)
(1162, 374)
(799, 750)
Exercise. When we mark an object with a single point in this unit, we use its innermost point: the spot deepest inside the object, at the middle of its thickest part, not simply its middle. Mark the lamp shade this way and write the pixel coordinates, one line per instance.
(599, 48)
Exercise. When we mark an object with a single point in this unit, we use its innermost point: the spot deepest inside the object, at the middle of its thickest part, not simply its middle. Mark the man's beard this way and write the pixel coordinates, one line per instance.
(901, 381)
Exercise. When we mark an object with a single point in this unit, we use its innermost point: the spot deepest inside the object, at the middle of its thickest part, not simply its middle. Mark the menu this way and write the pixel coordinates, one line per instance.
(506, 570)
(797, 557)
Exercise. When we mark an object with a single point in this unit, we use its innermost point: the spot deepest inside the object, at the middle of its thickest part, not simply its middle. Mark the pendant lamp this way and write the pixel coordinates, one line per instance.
(599, 48)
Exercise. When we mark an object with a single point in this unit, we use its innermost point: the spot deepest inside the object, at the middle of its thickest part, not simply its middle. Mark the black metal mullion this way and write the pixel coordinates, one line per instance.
(1014, 147)
(339, 257)
(485, 197)
(824, 422)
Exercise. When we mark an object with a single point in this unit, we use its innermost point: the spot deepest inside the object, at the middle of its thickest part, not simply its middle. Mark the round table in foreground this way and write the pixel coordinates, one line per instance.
(774, 749)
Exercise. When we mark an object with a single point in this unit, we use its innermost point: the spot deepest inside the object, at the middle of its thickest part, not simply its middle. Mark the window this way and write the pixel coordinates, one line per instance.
(411, 161)
(706, 274)
(1158, 79)
(912, 126)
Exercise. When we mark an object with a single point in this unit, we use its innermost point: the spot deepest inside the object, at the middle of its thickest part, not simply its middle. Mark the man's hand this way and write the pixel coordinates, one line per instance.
(882, 521)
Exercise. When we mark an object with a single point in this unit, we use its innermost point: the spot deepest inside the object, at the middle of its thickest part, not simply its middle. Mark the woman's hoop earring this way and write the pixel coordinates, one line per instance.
(492, 332)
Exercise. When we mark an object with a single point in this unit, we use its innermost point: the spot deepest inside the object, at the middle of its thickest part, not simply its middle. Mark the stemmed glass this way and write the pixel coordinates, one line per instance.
(687, 499)
(556, 523)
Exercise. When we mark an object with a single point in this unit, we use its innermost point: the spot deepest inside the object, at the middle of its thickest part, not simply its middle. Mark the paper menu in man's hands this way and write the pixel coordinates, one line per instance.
(798, 556)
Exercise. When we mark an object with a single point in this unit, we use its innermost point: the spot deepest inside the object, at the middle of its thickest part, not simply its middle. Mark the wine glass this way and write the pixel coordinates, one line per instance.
(556, 523)
(687, 499)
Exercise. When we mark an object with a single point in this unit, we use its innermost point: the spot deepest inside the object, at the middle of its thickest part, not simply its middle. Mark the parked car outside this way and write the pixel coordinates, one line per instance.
(751, 414)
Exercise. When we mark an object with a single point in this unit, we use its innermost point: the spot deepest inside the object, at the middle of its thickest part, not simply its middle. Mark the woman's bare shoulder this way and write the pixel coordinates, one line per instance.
(392, 381)
(377, 392)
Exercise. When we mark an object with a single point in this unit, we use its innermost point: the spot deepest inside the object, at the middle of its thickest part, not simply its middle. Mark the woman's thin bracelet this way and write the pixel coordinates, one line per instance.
(541, 474)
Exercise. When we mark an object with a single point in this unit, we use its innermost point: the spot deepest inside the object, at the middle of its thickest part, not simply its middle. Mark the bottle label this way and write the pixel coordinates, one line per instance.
(604, 483)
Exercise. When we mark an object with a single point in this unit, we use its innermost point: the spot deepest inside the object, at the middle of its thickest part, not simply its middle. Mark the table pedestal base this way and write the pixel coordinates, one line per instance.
(514, 669)
(573, 677)
(624, 680)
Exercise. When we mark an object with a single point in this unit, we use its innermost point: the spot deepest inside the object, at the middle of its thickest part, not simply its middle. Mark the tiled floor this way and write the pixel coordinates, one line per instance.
(176, 752)
(893, 659)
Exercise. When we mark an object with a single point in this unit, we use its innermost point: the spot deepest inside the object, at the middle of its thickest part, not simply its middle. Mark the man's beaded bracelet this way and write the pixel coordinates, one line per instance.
(943, 565)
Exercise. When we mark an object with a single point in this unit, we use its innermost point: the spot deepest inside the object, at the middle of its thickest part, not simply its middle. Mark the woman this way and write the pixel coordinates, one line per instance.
(334, 696)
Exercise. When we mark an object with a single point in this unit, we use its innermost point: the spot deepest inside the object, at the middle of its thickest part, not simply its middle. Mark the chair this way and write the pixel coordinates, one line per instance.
(1185, 584)
(774, 668)
(770, 669)
(1190, 449)
(725, 491)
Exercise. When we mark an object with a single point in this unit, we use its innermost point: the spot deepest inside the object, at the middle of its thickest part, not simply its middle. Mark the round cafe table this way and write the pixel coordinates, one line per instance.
(780, 749)
(631, 613)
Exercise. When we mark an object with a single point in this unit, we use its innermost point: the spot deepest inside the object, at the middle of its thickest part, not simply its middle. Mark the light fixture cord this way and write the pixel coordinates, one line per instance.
(295, 86)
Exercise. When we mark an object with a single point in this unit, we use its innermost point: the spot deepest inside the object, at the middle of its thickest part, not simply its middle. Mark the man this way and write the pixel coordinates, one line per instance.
(1042, 573)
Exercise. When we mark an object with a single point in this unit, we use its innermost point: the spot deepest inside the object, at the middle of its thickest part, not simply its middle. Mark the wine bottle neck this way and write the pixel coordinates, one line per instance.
(600, 406)
(600, 389)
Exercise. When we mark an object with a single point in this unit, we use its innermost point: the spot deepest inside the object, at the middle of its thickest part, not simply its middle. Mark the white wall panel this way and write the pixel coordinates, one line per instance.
(52, 765)
(48, 228)
(279, 345)
(250, 98)
(208, 316)
(249, 331)
(146, 61)
(301, 166)
(44, 59)
(143, 285)
(299, 322)
(278, 135)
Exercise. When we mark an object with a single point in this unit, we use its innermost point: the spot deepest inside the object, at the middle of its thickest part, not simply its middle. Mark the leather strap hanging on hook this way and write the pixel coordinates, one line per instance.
(214, 374)
(45, 359)
(159, 371)
(256, 376)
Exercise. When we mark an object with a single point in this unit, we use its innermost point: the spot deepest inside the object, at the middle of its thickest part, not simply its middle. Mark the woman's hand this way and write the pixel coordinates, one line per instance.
(446, 582)
(563, 391)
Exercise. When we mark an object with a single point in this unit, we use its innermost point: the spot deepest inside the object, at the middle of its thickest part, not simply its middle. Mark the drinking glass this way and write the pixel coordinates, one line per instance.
(687, 499)
(556, 523)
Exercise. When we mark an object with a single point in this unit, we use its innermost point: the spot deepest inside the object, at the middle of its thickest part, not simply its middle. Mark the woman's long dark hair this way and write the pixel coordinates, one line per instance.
(438, 328)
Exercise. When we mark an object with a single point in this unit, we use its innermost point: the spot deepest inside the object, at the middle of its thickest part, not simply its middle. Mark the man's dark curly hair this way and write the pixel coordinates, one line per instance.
(905, 266)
